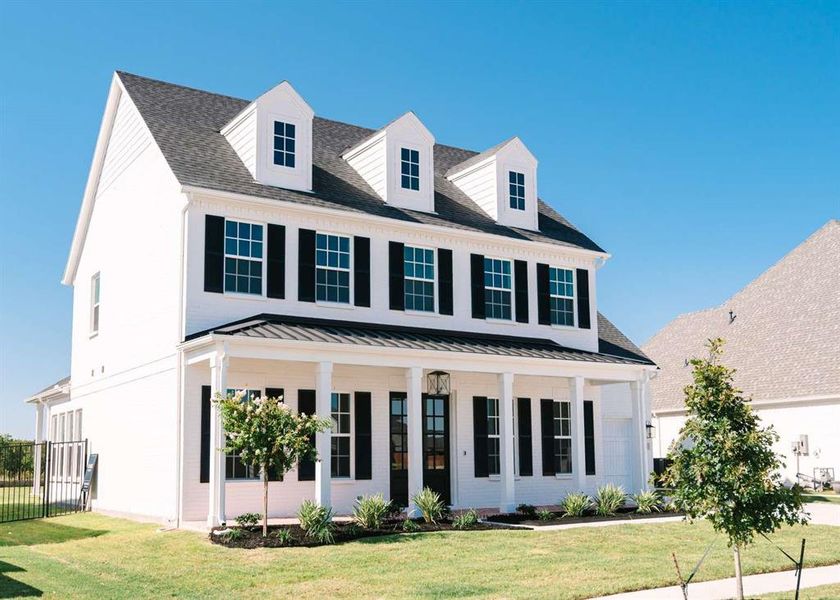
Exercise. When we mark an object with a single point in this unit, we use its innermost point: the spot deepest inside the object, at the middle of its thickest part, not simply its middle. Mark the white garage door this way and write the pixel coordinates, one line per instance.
(618, 452)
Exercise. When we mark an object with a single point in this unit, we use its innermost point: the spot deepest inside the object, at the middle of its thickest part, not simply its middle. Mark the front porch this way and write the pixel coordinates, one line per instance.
(482, 444)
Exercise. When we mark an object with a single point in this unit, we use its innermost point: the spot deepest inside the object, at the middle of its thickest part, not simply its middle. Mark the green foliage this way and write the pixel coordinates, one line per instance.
(429, 504)
(235, 534)
(608, 499)
(18, 458)
(545, 515)
(466, 520)
(528, 510)
(576, 504)
(316, 522)
(410, 526)
(248, 519)
(724, 469)
(283, 535)
(647, 502)
(370, 511)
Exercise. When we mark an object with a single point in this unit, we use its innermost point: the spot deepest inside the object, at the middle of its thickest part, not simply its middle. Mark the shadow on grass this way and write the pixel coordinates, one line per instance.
(394, 538)
(453, 590)
(821, 498)
(42, 531)
(12, 588)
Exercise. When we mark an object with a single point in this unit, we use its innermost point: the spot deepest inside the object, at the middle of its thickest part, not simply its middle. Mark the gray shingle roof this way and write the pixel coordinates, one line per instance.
(474, 160)
(61, 382)
(186, 124)
(784, 340)
(303, 329)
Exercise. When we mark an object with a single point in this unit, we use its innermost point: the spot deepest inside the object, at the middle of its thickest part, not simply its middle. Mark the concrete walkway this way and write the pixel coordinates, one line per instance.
(824, 513)
(754, 585)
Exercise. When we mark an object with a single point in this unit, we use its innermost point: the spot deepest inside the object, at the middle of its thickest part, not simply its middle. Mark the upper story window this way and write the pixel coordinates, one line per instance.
(243, 257)
(94, 304)
(332, 268)
(340, 438)
(284, 144)
(561, 289)
(517, 190)
(562, 437)
(410, 169)
(497, 286)
(493, 437)
(419, 279)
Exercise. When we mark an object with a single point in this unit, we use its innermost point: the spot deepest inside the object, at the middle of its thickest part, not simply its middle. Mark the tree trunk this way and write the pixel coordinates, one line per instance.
(739, 582)
(265, 499)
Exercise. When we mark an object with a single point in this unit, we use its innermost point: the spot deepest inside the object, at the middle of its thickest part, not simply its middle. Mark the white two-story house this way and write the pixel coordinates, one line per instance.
(420, 295)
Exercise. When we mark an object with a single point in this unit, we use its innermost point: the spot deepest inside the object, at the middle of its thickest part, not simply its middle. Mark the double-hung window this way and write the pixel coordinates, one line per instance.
(562, 437)
(516, 182)
(284, 144)
(94, 304)
(409, 169)
(419, 279)
(332, 268)
(340, 439)
(234, 467)
(243, 257)
(497, 289)
(493, 437)
(561, 289)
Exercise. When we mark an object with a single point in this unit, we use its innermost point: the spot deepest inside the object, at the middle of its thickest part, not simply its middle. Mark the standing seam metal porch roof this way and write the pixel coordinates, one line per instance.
(303, 329)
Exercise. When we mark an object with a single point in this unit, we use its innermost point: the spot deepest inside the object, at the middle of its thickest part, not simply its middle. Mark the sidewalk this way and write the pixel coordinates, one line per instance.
(754, 585)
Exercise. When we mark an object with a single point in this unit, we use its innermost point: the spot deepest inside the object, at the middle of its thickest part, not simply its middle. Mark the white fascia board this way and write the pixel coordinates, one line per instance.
(394, 224)
(363, 145)
(241, 116)
(51, 395)
(473, 168)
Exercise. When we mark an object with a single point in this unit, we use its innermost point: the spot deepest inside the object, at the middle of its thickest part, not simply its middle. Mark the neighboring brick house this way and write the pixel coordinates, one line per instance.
(782, 334)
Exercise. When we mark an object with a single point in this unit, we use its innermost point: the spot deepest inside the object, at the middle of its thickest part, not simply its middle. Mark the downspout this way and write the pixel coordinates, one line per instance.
(179, 368)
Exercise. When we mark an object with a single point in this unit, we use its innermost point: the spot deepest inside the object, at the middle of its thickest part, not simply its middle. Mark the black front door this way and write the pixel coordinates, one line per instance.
(436, 444)
(399, 448)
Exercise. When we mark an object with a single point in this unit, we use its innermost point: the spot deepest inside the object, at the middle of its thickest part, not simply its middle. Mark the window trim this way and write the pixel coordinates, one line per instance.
(274, 136)
(263, 261)
(434, 280)
(351, 436)
(510, 290)
(573, 297)
(570, 437)
(409, 162)
(350, 270)
(494, 436)
(511, 197)
(95, 303)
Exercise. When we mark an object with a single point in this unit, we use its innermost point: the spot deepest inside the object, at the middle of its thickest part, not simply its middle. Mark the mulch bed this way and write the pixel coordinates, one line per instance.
(623, 514)
(251, 537)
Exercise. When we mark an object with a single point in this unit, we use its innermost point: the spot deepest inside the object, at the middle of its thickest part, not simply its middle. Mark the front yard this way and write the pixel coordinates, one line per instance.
(88, 555)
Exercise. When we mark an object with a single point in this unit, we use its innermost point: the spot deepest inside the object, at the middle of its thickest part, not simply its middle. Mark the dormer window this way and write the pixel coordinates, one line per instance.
(284, 144)
(410, 169)
(517, 190)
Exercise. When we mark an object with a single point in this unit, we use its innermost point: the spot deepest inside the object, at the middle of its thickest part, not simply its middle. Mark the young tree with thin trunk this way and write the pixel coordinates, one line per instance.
(266, 434)
(724, 469)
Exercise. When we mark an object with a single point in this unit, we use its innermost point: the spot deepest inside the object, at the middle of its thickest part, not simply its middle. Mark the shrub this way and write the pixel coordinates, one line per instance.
(316, 522)
(248, 519)
(409, 525)
(647, 502)
(429, 504)
(544, 514)
(575, 505)
(608, 499)
(235, 534)
(465, 520)
(371, 511)
(283, 535)
(353, 529)
(529, 510)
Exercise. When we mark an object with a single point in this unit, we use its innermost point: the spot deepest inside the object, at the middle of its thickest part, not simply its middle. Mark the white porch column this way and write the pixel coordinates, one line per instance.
(39, 439)
(647, 445)
(639, 435)
(507, 502)
(579, 455)
(323, 408)
(218, 385)
(414, 408)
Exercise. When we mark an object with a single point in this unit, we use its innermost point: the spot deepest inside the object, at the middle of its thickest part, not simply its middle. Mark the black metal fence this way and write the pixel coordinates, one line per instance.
(41, 480)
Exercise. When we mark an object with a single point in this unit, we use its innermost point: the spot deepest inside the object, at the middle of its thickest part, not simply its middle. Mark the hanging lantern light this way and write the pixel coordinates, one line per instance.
(437, 382)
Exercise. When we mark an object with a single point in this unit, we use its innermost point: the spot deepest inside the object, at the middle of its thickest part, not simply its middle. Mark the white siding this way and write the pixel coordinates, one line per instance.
(129, 138)
(480, 185)
(370, 163)
(242, 136)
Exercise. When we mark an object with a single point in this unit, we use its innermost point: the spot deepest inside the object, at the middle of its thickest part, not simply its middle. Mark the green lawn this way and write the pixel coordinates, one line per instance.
(822, 592)
(88, 555)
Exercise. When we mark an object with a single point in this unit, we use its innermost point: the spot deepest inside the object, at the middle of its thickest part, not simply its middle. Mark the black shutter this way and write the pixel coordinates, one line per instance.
(520, 285)
(477, 283)
(205, 434)
(363, 435)
(361, 271)
(306, 265)
(480, 436)
(214, 254)
(396, 275)
(547, 427)
(543, 295)
(589, 436)
(526, 455)
(445, 282)
(583, 299)
(275, 286)
(273, 475)
(306, 404)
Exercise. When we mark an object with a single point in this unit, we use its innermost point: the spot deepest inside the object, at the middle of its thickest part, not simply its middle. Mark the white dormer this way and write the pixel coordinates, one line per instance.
(398, 163)
(503, 182)
(273, 137)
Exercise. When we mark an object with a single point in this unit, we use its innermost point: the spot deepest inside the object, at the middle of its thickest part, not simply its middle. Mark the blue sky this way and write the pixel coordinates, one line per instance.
(697, 143)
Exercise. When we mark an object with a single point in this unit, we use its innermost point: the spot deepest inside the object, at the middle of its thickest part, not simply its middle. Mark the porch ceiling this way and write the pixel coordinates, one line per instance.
(304, 329)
